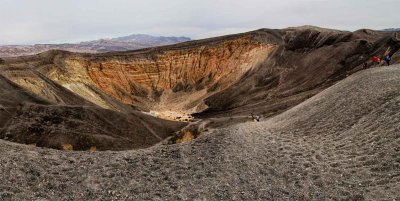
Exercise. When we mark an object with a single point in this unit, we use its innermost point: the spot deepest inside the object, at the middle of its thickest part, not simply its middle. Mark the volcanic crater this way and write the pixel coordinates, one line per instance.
(293, 114)
(136, 99)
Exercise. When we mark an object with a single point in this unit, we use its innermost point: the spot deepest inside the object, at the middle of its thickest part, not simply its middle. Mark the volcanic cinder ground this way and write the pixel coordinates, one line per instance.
(177, 122)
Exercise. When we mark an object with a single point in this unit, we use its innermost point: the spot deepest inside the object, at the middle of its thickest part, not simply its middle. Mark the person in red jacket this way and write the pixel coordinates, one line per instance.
(376, 60)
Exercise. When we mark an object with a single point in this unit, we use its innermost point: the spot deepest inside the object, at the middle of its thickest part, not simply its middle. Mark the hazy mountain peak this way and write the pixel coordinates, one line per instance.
(150, 38)
(392, 29)
(130, 42)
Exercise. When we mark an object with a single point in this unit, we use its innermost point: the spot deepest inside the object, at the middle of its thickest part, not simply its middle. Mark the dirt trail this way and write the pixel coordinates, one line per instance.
(342, 144)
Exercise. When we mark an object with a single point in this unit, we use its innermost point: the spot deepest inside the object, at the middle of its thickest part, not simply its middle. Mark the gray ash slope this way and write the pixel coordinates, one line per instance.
(29, 119)
(342, 144)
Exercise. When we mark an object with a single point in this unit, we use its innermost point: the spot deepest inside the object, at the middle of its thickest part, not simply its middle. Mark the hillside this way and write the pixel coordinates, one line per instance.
(73, 121)
(341, 144)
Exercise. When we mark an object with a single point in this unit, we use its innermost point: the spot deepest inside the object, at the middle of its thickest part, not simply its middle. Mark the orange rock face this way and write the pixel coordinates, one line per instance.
(170, 78)
(189, 69)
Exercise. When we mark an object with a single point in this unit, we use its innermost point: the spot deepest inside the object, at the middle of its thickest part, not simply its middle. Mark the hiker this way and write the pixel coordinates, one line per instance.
(376, 60)
(255, 118)
(365, 65)
(388, 58)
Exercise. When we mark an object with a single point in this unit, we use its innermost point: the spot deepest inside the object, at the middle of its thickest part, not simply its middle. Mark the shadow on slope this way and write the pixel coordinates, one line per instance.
(308, 61)
(25, 118)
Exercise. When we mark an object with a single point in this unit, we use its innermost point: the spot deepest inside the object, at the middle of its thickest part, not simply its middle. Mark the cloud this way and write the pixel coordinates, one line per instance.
(46, 21)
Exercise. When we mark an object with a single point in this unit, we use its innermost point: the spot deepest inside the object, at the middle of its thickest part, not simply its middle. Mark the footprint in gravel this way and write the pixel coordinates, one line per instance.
(307, 165)
(318, 157)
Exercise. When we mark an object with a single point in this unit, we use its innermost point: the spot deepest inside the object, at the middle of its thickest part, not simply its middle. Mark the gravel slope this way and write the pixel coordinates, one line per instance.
(342, 144)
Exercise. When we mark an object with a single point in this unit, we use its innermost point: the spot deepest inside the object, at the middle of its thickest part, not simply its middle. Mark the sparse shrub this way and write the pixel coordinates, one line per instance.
(187, 136)
(2, 61)
(67, 147)
(93, 149)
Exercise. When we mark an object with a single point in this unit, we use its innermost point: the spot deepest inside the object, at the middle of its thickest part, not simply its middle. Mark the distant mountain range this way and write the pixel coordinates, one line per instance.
(392, 29)
(131, 42)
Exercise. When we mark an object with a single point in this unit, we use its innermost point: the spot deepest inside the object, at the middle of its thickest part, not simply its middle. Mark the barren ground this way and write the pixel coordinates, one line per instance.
(342, 144)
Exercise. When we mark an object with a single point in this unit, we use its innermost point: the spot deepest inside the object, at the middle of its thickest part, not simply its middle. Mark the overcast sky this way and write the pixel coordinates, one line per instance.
(54, 21)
